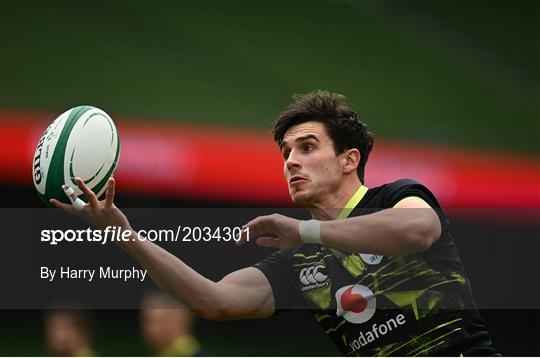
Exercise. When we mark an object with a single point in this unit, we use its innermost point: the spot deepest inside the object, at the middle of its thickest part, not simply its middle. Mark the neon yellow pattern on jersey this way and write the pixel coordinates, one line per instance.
(353, 201)
(322, 297)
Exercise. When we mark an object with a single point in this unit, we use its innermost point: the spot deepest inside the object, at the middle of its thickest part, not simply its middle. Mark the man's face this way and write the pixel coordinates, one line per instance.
(63, 336)
(162, 326)
(311, 167)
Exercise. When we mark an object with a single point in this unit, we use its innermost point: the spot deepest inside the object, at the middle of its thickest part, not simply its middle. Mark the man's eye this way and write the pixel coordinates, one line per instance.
(286, 154)
(308, 147)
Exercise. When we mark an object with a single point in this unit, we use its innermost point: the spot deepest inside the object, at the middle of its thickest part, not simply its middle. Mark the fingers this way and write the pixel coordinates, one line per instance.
(255, 228)
(109, 195)
(70, 193)
(243, 237)
(76, 202)
(92, 199)
(60, 205)
(268, 242)
(246, 233)
(259, 226)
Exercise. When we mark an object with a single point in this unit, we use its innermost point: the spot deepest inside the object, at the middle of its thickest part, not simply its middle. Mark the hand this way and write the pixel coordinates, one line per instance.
(99, 214)
(284, 229)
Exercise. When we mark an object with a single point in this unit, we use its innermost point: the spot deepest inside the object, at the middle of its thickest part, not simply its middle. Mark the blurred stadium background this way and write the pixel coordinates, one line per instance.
(450, 88)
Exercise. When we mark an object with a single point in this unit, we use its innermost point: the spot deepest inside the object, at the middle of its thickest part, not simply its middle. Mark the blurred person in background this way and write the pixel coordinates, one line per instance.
(68, 333)
(377, 267)
(167, 327)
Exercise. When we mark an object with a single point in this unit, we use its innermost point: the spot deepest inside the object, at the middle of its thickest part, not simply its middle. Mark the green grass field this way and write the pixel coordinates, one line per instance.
(440, 72)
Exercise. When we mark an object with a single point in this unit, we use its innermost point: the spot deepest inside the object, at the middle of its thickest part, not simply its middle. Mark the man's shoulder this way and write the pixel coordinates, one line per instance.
(387, 195)
(395, 185)
(400, 183)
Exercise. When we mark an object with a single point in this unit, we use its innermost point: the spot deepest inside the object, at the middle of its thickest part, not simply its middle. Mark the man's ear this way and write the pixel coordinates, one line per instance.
(351, 159)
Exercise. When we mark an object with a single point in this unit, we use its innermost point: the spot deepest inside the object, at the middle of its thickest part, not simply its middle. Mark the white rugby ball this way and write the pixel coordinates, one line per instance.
(82, 142)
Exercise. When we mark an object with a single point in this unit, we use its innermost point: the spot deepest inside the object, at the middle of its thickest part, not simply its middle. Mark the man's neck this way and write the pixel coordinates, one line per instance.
(330, 209)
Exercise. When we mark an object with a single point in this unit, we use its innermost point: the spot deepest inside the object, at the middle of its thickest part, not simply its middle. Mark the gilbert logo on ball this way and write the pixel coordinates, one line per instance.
(82, 142)
(356, 303)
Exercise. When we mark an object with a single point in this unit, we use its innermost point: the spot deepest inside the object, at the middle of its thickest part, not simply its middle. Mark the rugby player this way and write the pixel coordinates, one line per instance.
(377, 266)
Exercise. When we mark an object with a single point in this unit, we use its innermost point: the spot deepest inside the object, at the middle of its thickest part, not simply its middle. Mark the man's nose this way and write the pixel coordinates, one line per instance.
(292, 161)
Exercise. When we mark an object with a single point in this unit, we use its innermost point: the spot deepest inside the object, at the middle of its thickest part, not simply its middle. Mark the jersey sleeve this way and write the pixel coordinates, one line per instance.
(405, 188)
(278, 270)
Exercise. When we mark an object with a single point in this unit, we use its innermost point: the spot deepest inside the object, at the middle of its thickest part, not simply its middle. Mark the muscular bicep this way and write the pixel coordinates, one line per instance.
(433, 223)
(246, 293)
(412, 202)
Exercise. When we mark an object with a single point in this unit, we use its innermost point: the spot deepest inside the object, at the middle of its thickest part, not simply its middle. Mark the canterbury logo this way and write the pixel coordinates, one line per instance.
(310, 275)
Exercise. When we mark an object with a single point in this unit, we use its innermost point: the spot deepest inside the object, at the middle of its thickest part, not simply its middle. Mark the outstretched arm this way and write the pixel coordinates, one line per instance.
(244, 293)
(411, 226)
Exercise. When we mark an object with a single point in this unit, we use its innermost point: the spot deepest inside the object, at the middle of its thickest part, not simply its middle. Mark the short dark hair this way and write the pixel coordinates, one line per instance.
(80, 318)
(340, 121)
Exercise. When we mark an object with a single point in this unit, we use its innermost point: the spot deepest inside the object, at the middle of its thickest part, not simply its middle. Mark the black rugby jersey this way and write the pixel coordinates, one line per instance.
(418, 304)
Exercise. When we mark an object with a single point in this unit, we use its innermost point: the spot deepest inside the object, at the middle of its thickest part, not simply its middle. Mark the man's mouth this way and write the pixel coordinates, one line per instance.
(296, 180)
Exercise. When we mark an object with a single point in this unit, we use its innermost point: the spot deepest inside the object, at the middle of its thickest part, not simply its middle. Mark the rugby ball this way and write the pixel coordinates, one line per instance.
(82, 142)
